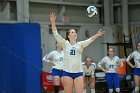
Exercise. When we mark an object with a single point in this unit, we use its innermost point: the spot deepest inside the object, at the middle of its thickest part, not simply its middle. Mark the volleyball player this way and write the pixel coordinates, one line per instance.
(112, 64)
(89, 69)
(136, 56)
(72, 70)
(56, 57)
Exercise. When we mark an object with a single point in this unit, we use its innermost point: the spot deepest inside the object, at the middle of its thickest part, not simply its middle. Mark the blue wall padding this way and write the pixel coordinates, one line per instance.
(20, 58)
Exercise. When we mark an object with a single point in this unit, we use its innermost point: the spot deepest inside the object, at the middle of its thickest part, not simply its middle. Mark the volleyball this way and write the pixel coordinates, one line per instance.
(91, 11)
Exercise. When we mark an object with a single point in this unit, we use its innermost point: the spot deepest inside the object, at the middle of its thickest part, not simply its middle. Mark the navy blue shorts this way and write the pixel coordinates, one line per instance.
(72, 75)
(57, 72)
(137, 71)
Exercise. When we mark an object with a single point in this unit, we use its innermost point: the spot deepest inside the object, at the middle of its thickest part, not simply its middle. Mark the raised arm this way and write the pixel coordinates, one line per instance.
(98, 34)
(58, 38)
(88, 41)
(53, 21)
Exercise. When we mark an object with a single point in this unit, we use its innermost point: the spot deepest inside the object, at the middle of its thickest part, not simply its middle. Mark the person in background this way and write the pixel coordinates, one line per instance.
(89, 69)
(112, 64)
(136, 56)
(56, 57)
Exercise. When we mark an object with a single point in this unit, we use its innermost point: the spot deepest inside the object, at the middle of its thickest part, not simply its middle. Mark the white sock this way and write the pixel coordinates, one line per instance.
(92, 90)
(117, 90)
(84, 90)
(110, 90)
(136, 88)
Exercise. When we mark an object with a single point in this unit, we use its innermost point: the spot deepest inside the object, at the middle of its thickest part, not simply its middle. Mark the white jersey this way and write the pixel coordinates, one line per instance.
(110, 65)
(136, 56)
(89, 71)
(73, 53)
(56, 58)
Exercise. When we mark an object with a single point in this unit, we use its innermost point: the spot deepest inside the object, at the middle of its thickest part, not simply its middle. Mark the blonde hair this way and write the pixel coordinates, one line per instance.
(88, 57)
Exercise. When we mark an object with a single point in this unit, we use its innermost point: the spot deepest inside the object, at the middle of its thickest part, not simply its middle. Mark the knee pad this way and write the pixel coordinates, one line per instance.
(84, 90)
(92, 90)
(117, 89)
(110, 90)
(56, 89)
(136, 88)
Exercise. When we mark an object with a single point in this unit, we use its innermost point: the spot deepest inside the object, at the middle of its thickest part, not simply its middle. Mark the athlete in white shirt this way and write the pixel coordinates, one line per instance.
(73, 70)
(89, 69)
(136, 56)
(56, 57)
(112, 64)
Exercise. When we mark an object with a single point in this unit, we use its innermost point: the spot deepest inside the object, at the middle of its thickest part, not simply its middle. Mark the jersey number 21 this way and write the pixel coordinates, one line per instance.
(72, 52)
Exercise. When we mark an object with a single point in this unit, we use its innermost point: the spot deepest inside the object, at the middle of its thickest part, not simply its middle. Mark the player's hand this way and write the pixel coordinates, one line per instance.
(104, 70)
(52, 17)
(100, 32)
(118, 65)
(51, 62)
(134, 66)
